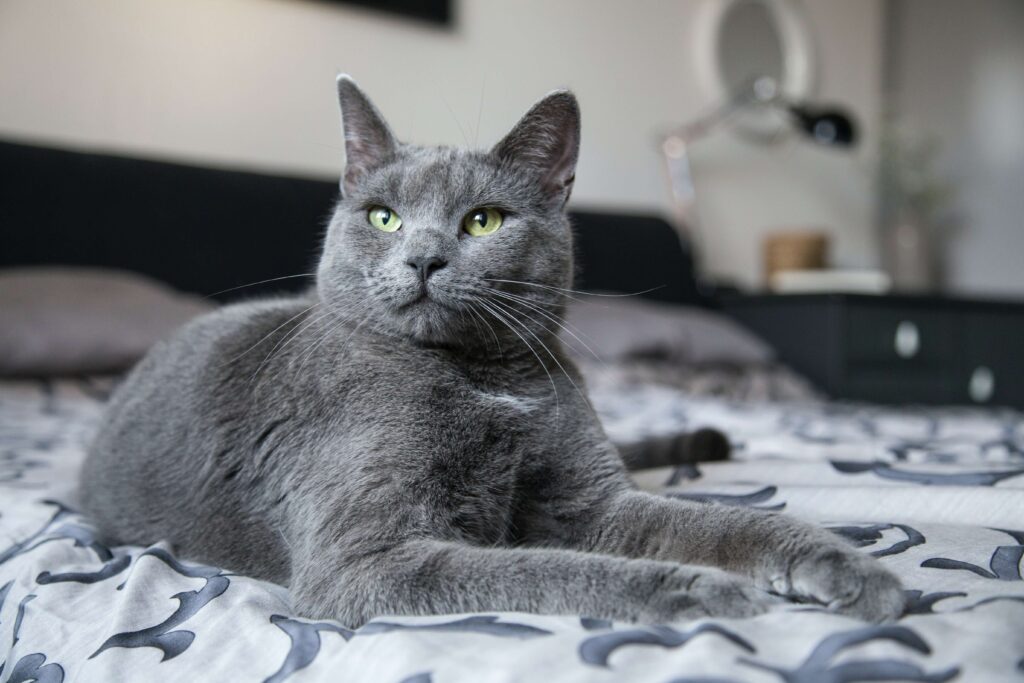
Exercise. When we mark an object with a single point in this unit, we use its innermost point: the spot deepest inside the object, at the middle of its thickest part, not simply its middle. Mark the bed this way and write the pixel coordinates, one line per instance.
(936, 494)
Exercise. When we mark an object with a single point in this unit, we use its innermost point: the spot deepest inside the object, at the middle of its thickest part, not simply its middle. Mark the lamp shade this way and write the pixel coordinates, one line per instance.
(832, 127)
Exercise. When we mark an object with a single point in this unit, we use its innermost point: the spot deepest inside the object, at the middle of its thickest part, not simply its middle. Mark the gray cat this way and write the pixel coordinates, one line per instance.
(410, 438)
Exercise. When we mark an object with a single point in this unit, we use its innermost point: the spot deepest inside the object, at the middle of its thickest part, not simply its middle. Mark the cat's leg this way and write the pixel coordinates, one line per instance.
(423, 577)
(779, 553)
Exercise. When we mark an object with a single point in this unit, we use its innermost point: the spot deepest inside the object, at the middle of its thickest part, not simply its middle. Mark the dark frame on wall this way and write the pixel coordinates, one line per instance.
(437, 12)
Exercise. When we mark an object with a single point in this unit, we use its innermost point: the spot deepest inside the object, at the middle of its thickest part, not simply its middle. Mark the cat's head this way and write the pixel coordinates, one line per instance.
(437, 243)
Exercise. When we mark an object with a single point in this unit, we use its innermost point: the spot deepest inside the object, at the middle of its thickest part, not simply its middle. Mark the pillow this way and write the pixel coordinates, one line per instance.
(618, 327)
(73, 321)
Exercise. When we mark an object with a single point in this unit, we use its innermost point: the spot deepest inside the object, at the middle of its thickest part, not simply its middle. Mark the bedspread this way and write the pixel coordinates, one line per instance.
(937, 495)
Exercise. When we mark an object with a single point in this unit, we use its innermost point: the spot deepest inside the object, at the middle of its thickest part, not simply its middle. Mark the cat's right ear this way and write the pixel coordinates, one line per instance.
(368, 140)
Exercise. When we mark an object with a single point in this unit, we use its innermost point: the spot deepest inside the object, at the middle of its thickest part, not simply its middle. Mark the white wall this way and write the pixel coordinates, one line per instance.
(749, 191)
(959, 75)
(250, 83)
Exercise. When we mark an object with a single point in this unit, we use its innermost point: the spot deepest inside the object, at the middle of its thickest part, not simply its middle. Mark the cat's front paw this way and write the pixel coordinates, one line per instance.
(693, 593)
(845, 581)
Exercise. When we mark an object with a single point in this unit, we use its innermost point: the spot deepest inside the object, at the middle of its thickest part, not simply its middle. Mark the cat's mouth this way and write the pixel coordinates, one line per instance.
(420, 299)
(420, 296)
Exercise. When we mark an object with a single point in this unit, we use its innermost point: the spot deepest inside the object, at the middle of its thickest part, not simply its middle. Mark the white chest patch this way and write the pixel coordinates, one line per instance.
(524, 405)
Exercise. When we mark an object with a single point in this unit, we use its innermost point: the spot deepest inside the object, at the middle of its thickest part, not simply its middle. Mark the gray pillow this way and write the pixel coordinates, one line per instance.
(72, 321)
(618, 328)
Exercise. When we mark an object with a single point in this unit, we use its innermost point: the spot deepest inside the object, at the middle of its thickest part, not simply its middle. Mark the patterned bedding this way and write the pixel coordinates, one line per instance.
(937, 495)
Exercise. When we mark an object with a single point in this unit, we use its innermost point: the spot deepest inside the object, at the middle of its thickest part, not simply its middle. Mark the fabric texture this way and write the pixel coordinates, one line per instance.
(936, 495)
(73, 321)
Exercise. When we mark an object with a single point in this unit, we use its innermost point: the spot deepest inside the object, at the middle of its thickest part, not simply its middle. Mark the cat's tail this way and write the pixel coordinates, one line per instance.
(703, 445)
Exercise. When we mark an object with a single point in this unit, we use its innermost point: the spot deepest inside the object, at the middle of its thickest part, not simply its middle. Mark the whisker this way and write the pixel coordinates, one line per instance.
(327, 335)
(575, 291)
(290, 337)
(253, 284)
(501, 318)
(536, 305)
(345, 311)
(458, 123)
(550, 317)
(522, 297)
(509, 310)
(305, 355)
(465, 310)
(347, 317)
(270, 334)
(494, 334)
(480, 111)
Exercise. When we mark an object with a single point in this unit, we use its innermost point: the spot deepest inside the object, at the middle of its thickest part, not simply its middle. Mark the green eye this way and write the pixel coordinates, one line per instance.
(384, 219)
(482, 221)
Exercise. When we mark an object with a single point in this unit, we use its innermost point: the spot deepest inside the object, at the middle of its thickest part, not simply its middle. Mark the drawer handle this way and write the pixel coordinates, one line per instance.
(908, 339)
(982, 385)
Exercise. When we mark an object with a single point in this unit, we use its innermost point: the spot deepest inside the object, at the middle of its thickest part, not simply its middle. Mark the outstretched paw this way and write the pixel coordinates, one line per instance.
(705, 592)
(845, 581)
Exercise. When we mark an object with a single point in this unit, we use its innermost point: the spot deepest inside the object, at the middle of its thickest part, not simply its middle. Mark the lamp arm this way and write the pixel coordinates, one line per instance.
(706, 123)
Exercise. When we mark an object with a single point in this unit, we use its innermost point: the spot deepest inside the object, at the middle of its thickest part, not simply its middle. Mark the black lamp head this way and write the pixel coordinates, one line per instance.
(832, 127)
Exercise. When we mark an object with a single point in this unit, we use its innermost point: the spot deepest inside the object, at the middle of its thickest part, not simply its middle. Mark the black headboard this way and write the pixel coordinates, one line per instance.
(205, 230)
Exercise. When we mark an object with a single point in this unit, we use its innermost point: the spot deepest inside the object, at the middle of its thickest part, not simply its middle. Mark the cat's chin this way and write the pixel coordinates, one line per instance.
(429, 322)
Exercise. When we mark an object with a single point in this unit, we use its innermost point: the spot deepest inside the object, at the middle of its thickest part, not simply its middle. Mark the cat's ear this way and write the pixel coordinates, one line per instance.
(547, 141)
(368, 140)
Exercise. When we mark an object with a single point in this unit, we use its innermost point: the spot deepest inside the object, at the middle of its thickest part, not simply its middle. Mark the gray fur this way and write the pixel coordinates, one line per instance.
(385, 453)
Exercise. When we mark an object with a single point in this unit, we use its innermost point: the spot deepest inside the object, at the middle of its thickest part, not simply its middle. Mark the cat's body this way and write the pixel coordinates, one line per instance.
(244, 422)
(409, 438)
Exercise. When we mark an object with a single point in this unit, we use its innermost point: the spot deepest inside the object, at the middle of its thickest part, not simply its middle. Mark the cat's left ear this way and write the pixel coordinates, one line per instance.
(368, 140)
(547, 141)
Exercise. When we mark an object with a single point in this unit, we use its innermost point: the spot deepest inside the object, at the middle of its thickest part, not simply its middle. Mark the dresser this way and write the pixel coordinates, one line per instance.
(895, 349)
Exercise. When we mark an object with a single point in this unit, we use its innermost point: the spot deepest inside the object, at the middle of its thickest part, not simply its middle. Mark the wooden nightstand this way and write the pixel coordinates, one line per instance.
(895, 349)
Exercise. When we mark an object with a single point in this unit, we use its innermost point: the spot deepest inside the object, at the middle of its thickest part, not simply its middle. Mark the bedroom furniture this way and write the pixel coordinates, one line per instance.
(205, 230)
(895, 349)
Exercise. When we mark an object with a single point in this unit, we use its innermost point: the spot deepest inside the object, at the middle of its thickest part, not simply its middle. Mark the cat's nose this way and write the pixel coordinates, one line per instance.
(427, 265)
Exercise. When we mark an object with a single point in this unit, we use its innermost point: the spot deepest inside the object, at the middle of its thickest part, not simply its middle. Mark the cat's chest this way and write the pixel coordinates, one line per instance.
(473, 423)
(439, 399)
(457, 442)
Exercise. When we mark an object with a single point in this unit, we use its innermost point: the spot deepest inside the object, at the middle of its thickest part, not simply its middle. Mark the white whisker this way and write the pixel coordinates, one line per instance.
(502, 318)
(465, 309)
(270, 334)
(562, 324)
(574, 291)
(511, 314)
(253, 284)
(287, 339)
(348, 316)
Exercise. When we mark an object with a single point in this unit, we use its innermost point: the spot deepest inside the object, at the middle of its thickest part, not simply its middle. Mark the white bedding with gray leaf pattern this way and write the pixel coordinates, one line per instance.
(937, 495)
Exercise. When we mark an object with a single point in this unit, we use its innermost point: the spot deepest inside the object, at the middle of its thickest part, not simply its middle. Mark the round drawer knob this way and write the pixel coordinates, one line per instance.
(982, 385)
(908, 339)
